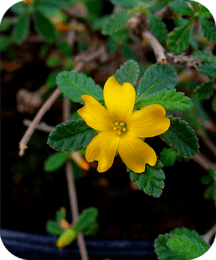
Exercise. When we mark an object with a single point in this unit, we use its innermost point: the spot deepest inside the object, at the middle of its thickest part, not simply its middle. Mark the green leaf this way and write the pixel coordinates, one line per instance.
(180, 136)
(65, 48)
(205, 90)
(187, 248)
(168, 157)
(71, 136)
(117, 21)
(61, 214)
(208, 30)
(53, 228)
(162, 249)
(208, 69)
(214, 104)
(125, 3)
(204, 13)
(181, 7)
(21, 28)
(87, 219)
(5, 42)
(54, 61)
(204, 56)
(157, 28)
(129, 72)
(18, 8)
(73, 85)
(128, 52)
(179, 39)
(51, 3)
(44, 26)
(151, 180)
(170, 100)
(121, 36)
(156, 78)
(51, 80)
(55, 161)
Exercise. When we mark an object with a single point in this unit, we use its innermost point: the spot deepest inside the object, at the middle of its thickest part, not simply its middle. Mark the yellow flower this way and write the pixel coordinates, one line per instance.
(120, 129)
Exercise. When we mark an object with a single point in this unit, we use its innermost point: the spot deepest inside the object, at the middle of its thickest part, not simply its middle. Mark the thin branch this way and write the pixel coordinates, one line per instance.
(156, 46)
(207, 237)
(204, 162)
(42, 126)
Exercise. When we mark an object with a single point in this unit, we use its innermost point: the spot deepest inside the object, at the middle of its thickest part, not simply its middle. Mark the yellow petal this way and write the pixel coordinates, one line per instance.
(149, 121)
(103, 148)
(94, 114)
(119, 99)
(135, 153)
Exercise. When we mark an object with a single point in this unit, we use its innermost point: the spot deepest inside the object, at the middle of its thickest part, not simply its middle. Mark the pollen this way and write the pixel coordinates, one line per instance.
(120, 127)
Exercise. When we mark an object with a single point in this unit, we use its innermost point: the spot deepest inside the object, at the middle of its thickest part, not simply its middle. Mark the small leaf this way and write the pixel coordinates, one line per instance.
(151, 180)
(71, 136)
(208, 30)
(156, 78)
(125, 3)
(18, 8)
(55, 161)
(204, 56)
(180, 136)
(73, 85)
(54, 61)
(5, 42)
(53, 228)
(87, 219)
(61, 214)
(44, 26)
(51, 80)
(168, 157)
(157, 28)
(181, 7)
(21, 28)
(65, 48)
(129, 72)
(205, 90)
(66, 238)
(204, 13)
(117, 21)
(179, 39)
(208, 69)
(170, 100)
(187, 248)
(128, 52)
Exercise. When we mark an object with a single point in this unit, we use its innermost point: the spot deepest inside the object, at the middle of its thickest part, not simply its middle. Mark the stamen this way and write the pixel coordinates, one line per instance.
(120, 127)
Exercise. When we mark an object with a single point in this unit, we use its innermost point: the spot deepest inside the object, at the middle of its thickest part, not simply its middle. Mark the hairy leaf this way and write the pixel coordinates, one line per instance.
(180, 136)
(156, 78)
(208, 30)
(151, 181)
(129, 72)
(204, 56)
(181, 7)
(205, 90)
(168, 157)
(21, 28)
(87, 219)
(208, 69)
(170, 100)
(73, 85)
(71, 136)
(55, 161)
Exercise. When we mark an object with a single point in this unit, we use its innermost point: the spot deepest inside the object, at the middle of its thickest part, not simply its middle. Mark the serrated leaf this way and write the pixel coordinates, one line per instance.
(157, 28)
(21, 28)
(125, 3)
(204, 90)
(117, 21)
(44, 26)
(168, 157)
(208, 69)
(156, 78)
(71, 136)
(129, 72)
(53, 228)
(73, 85)
(204, 13)
(151, 180)
(204, 56)
(180, 136)
(87, 219)
(170, 100)
(162, 249)
(179, 39)
(55, 161)
(185, 247)
(208, 30)
(181, 7)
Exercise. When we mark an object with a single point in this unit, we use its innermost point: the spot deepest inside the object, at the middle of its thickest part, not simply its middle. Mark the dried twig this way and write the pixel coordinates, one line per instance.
(207, 237)
(42, 126)
(204, 162)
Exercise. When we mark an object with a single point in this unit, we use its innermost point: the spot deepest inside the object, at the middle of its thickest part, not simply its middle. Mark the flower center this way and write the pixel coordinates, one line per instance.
(120, 127)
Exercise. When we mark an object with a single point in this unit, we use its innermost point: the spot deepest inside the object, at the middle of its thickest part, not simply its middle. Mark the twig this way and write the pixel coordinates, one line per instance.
(42, 126)
(156, 46)
(72, 189)
(211, 146)
(207, 237)
(204, 162)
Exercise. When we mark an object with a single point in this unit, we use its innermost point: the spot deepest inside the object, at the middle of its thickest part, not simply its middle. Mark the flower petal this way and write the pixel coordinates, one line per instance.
(95, 115)
(119, 99)
(135, 153)
(103, 148)
(149, 121)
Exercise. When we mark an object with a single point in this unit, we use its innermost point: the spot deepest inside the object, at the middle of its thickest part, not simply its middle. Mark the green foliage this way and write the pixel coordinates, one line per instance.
(21, 28)
(170, 100)
(74, 85)
(204, 13)
(168, 157)
(61, 214)
(180, 244)
(158, 28)
(18, 8)
(87, 219)
(181, 7)
(205, 90)
(208, 30)
(125, 3)
(151, 181)
(210, 180)
(129, 72)
(156, 78)
(51, 3)
(209, 69)
(53, 227)
(71, 136)
(44, 26)
(51, 79)
(66, 238)
(5, 42)
(179, 39)
(204, 56)
(128, 52)
(65, 48)
(180, 136)
(54, 61)
(55, 161)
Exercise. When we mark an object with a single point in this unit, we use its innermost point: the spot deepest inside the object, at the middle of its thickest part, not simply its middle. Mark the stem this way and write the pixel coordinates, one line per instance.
(204, 162)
